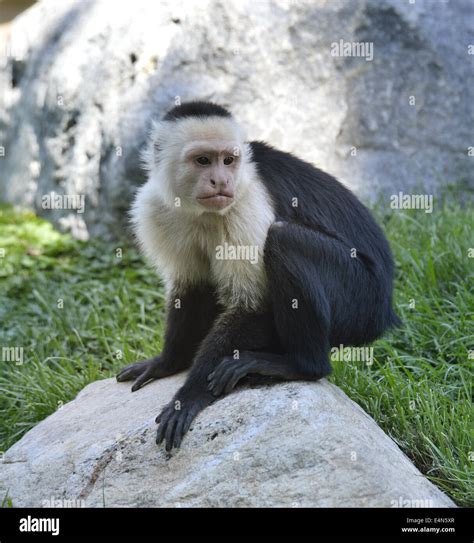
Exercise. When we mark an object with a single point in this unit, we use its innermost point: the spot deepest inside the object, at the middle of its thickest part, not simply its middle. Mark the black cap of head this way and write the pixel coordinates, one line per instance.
(196, 109)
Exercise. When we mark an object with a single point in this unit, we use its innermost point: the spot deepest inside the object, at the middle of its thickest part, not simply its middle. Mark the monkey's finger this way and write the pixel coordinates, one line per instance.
(211, 387)
(233, 380)
(214, 386)
(170, 430)
(142, 379)
(167, 411)
(226, 378)
(179, 432)
(189, 419)
(127, 374)
(160, 416)
(221, 381)
(239, 373)
(215, 377)
(225, 362)
(212, 383)
(160, 433)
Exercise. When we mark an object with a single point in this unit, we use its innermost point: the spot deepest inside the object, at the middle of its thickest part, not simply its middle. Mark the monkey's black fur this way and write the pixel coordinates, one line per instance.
(196, 109)
(332, 237)
(330, 274)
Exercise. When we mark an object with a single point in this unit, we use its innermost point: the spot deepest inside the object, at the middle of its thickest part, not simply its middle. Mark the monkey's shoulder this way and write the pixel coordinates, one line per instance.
(284, 173)
(271, 161)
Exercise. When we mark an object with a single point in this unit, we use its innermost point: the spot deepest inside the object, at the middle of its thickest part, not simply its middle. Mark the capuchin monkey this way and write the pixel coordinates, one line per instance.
(267, 261)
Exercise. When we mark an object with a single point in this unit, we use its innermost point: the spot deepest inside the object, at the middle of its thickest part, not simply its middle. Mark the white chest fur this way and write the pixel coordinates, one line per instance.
(226, 250)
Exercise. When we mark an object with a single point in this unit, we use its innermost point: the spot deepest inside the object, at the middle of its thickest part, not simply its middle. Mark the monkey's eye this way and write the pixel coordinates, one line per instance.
(228, 160)
(203, 160)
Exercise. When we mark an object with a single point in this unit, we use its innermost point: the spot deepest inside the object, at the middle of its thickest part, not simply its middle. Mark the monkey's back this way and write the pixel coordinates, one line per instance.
(309, 196)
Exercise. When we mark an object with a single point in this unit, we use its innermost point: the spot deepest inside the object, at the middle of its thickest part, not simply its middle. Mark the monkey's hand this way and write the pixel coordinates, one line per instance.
(143, 372)
(176, 418)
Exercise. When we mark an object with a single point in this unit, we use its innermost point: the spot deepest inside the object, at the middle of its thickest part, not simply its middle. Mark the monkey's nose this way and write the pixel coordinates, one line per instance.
(219, 183)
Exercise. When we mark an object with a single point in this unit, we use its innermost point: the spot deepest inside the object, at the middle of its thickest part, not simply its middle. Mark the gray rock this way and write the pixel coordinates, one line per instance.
(86, 80)
(287, 445)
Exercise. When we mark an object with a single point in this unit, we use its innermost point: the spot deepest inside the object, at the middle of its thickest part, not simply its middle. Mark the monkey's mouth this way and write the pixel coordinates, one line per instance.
(218, 201)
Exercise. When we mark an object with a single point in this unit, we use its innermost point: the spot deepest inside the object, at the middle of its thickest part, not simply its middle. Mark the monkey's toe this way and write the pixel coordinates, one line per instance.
(226, 376)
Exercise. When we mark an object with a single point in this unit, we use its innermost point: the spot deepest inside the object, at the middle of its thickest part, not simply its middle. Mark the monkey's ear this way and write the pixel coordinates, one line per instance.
(156, 140)
(159, 133)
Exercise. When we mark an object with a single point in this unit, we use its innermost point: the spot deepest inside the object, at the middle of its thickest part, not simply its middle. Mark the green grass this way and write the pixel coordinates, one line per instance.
(418, 389)
(6, 501)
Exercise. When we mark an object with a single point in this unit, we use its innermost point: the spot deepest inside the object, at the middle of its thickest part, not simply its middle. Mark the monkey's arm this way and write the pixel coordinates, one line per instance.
(191, 312)
(233, 330)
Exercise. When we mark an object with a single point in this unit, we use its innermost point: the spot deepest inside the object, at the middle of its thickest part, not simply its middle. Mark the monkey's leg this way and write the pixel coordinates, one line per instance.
(236, 329)
(301, 315)
(191, 313)
(313, 281)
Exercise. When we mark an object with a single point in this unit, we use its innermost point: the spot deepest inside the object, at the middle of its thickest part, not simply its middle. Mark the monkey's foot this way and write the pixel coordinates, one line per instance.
(176, 418)
(143, 372)
(230, 371)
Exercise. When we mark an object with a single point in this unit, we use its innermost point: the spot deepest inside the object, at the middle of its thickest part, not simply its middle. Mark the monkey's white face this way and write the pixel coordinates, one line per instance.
(208, 173)
(198, 165)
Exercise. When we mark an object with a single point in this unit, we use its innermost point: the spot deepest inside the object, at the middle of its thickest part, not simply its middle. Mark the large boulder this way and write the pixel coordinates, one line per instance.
(287, 445)
(85, 79)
